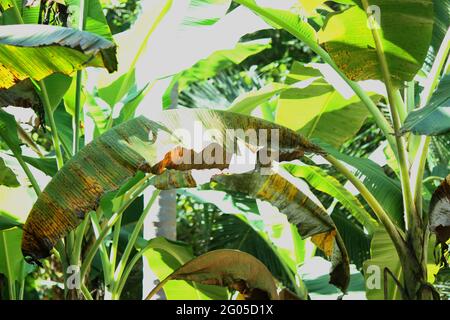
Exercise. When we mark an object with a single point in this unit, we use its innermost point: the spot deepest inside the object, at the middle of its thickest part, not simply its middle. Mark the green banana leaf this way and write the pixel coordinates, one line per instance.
(434, 118)
(7, 176)
(30, 53)
(383, 255)
(349, 40)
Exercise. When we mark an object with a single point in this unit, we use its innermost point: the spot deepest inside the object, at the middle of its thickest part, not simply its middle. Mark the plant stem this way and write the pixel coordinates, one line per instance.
(79, 235)
(394, 107)
(28, 140)
(84, 290)
(28, 173)
(435, 72)
(410, 96)
(103, 253)
(79, 79)
(76, 120)
(418, 169)
(401, 106)
(123, 279)
(390, 227)
(51, 119)
(144, 183)
(132, 240)
(114, 249)
(9, 272)
(156, 289)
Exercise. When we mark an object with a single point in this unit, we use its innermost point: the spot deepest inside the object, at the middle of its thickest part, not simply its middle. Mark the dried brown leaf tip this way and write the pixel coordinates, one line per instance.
(439, 217)
(234, 269)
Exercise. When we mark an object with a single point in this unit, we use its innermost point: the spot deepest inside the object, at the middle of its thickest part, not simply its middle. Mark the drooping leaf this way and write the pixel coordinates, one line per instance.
(8, 221)
(205, 12)
(385, 189)
(355, 53)
(318, 179)
(356, 240)
(47, 165)
(439, 216)
(7, 176)
(52, 50)
(229, 268)
(310, 219)
(219, 60)
(249, 101)
(164, 257)
(287, 20)
(150, 146)
(236, 232)
(434, 118)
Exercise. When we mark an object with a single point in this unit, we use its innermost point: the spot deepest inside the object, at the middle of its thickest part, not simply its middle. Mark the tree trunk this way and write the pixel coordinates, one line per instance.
(160, 222)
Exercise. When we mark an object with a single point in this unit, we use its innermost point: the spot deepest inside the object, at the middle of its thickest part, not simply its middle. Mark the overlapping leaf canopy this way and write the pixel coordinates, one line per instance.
(155, 147)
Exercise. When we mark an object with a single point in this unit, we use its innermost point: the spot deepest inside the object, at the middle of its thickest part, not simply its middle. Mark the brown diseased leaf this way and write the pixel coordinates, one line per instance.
(150, 146)
(234, 269)
(439, 216)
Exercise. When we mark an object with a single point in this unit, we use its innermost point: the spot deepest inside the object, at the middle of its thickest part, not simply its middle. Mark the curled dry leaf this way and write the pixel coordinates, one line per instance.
(152, 147)
(439, 217)
(234, 269)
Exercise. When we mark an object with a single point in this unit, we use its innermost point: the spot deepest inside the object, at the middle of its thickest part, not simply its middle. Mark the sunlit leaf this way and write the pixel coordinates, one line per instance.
(355, 53)
(323, 112)
(52, 50)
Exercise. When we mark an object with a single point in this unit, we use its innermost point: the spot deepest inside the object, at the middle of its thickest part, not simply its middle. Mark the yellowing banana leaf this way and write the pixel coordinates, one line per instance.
(228, 268)
(33, 52)
(405, 27)
(310, 219)
(165, 257)
(319, 179)
(149, 146)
